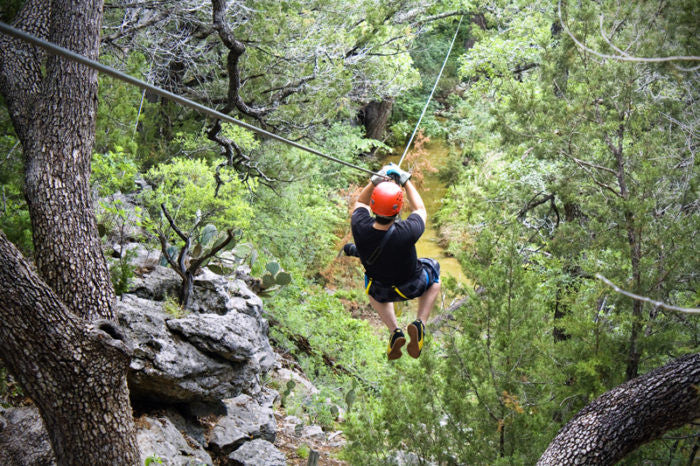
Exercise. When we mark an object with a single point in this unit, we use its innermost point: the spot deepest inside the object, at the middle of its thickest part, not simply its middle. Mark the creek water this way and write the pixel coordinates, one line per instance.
(432, 191)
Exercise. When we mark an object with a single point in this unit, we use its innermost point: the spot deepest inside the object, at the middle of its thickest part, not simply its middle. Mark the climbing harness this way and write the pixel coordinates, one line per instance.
(413, 288)
(63, 52)
(431, 92)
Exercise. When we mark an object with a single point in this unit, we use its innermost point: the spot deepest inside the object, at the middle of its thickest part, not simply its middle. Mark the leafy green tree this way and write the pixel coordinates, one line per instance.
(593, 156)
(189, 203)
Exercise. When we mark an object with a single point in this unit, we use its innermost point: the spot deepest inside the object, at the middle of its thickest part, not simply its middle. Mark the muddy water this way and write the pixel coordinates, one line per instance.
(432, 190)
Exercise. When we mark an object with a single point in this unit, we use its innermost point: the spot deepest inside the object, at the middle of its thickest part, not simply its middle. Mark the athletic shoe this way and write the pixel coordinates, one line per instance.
(416, 330)
(398, 339)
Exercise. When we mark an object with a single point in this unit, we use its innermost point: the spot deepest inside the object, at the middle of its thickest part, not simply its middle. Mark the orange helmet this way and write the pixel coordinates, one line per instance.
(387, 199)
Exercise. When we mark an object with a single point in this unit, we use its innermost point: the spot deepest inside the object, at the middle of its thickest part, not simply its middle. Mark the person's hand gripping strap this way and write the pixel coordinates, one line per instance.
(397, 174)
(380, 176)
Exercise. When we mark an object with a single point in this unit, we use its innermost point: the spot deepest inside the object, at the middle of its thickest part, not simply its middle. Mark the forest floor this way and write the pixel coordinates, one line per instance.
(296, 448)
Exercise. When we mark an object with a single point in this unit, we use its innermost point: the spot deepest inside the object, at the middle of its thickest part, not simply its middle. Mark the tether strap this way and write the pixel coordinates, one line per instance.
(378, 252)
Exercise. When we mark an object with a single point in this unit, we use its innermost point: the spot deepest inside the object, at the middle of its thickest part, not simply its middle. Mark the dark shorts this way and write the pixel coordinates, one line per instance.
(385, 293)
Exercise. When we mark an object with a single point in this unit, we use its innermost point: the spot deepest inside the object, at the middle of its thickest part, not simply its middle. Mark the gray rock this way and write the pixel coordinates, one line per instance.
(190, 427)
(215, 294)
(244, 419)
(313, 432)
(128, 228)
(167, 367)
(257, 453)
(157, 285)
(159, 436)
(302, 385)
(141, 257)
(235, 337)
(23, 439)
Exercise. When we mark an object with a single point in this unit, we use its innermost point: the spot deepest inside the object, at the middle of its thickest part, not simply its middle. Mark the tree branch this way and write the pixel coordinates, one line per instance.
(655, 303)
(623, 57)
(630, 415)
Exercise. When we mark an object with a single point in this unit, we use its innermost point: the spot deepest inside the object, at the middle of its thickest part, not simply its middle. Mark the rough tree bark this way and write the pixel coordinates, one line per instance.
(55, 330)
(374, 117)
(626, 417)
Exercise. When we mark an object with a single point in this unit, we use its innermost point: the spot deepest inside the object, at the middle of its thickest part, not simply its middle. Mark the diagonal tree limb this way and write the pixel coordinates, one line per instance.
(655, 303)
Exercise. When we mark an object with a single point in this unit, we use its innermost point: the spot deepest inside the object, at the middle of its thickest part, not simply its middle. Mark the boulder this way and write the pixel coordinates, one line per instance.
(245, 419)
(217, 294)
(141, 258)
(168, 366)
(157, 435)
(313, 432)
(23, 439)
(161, 283)
(258, 452)
(234, 337)
(302, 385)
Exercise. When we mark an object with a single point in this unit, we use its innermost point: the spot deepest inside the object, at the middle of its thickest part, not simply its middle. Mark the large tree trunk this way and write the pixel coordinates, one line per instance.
(374, 117)
(626, 417)
(74, 372)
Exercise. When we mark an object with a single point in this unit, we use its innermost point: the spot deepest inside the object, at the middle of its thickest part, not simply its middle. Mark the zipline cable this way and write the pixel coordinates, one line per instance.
(431, 92)
(63, 52)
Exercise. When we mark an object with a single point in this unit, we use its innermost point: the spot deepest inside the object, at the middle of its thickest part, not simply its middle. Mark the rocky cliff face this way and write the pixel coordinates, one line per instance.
(194, 378)
(218, 350)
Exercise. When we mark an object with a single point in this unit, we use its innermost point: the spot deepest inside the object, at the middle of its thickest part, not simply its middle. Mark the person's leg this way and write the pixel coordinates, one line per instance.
(386, 313)
(416, 329)
(397, 338)
(426, 302)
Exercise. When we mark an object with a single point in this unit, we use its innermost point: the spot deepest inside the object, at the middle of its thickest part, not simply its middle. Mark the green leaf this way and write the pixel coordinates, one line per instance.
(208, 234)
(283, 278)
(218, 269)
(267, 280)
(273, 267)
(242, 250)
(350, 398)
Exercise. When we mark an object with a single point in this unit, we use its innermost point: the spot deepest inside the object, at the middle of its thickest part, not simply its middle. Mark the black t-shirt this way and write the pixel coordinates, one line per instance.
(398, 262)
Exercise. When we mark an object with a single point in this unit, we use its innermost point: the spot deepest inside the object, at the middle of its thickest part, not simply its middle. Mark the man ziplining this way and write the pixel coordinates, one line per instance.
(386, 247)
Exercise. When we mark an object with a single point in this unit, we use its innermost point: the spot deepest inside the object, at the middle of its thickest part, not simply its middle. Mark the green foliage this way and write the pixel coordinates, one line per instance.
(188, 190)
(153, 459)
(303, 451)
(10, 392)
(594, 135)
(113, 171)
(117, 114)
(14, 216)
(122, 272)
(287, 391)
(315, 213)
(173, 307)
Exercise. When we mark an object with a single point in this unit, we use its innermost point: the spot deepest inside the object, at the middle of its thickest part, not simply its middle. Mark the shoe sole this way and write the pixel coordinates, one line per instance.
(412, 347)
(395, 352)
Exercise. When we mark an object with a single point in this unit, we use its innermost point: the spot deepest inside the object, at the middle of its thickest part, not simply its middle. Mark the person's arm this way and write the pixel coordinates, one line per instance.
(417, 206)
(364, 198)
